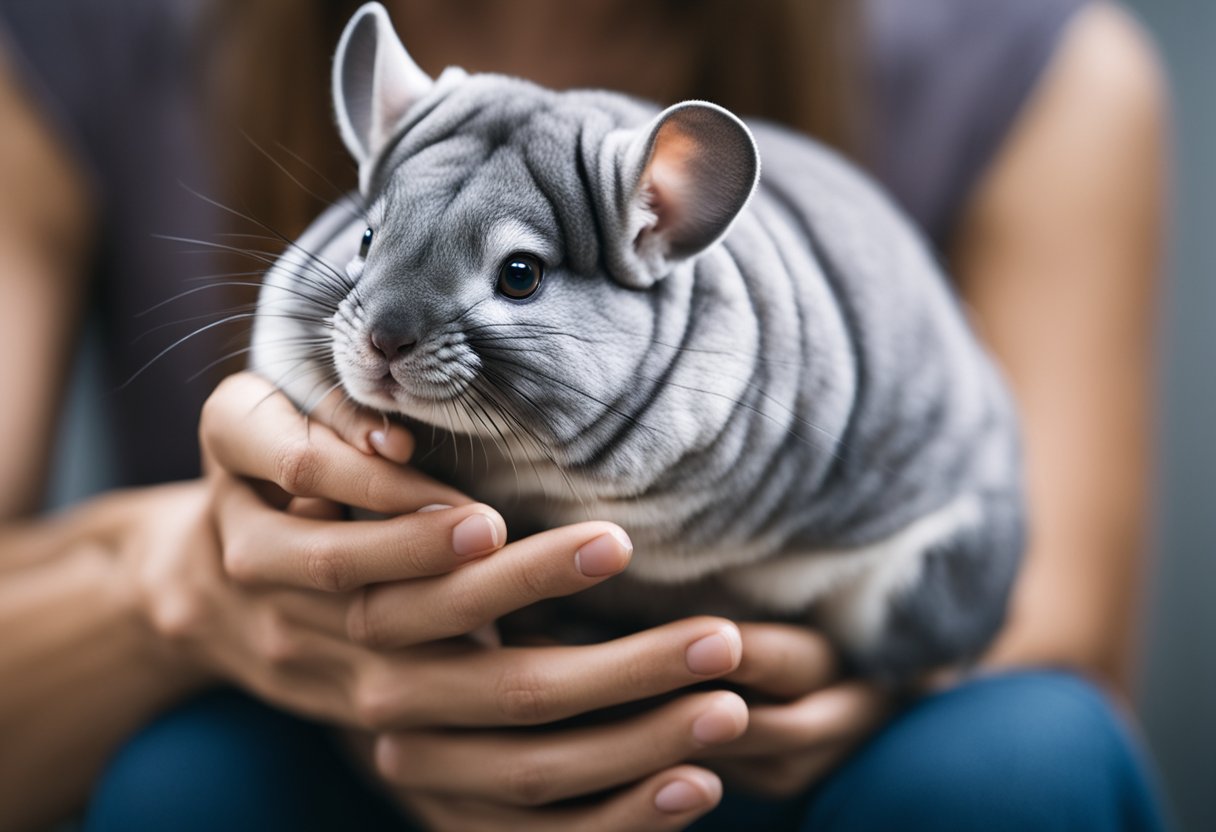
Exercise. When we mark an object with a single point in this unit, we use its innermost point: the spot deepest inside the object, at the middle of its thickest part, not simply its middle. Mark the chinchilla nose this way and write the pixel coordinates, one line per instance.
(392, 341)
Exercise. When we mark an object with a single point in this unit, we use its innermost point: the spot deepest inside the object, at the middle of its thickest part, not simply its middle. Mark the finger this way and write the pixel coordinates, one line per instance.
(532, 686)
(547, 565)
(784, 661)
(671, 799)
(837, 714)
(367, 430)
(324, 612)
(252, 431)
(531, 769)
(265, 546)
(314, 509)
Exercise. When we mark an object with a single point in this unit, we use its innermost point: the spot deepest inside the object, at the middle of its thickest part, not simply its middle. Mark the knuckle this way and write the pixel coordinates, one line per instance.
(276, 642)
(528, 782)
(532, 583)
(298, 467)
(360, 622)
(328, 569)
(239, 561)
(524, 698)
(414, 557)
(376, 706)
(369, 492)
(462, 613)
(178, 616)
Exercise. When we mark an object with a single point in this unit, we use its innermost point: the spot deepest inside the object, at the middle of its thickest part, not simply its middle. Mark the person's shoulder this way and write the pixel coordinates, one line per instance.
(948, 80)
(917, 33)
(1109, 64)
(1091, 144)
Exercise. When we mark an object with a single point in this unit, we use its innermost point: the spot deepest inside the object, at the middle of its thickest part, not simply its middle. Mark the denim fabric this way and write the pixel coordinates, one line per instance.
(1032, 750)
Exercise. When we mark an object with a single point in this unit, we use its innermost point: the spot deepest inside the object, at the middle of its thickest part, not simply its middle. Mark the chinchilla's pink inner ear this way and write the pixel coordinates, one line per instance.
(375, 83)
(686, 176)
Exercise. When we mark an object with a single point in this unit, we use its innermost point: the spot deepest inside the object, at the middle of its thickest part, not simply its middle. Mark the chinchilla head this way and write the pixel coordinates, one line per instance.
(517, 266)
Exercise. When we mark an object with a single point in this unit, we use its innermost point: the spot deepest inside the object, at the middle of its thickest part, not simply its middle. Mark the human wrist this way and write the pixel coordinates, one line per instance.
(168, 670)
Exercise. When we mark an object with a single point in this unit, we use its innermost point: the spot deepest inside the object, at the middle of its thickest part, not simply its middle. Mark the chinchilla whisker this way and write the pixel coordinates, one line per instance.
(503, 441)
(246, 309)
(311, 356)
(633, 420)
(336, 283)
(283, 168)
(340, 195)
(194, 291)
(530, 331)
(447, 414)
(540, 415)
(280, 384)
(475, 408)
(749, 384)
(311, 403)
(287, 241)
(522, 432)
(206, 328)
(219, 275)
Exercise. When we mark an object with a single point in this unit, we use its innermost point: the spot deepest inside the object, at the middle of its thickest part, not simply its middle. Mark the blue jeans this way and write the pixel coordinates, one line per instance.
(1035, 750)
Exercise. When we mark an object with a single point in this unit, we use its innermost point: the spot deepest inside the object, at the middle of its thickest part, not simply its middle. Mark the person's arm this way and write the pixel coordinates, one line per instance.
(45, 224)
(1057, 256)
(77, 667)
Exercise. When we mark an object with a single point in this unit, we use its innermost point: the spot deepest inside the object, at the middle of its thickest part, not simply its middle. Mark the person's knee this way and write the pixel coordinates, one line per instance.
(1038, 750)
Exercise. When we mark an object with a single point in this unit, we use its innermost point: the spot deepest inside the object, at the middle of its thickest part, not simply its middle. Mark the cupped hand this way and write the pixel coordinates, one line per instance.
(350, 621)
(804, 720)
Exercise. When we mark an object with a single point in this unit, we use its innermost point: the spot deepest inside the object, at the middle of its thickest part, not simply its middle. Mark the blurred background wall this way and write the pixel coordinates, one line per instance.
(1177, 685)
(1177, 699)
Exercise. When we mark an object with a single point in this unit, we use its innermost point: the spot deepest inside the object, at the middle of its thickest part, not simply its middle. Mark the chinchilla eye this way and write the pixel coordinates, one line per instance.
(365, 244)
(519, 276)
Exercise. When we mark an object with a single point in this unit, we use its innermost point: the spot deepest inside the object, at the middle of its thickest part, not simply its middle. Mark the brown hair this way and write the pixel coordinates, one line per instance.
(790, 61)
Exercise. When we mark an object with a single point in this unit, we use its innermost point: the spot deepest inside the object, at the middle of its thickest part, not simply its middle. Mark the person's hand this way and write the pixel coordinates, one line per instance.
(633, 768)
(803, 720)
(362, 612)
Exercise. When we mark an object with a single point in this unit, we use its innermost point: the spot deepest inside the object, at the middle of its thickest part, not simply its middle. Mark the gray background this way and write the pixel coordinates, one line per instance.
(1177, 685)
(1178, 676)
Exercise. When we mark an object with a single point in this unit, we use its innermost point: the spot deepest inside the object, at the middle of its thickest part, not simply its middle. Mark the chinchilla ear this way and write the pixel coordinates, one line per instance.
(375, 83)
(681, 182)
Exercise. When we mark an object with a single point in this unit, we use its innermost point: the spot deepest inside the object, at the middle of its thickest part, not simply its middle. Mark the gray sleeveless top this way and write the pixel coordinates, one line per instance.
(947, 78)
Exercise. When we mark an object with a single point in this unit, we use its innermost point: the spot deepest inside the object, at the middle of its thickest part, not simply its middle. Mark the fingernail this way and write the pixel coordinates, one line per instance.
(679, 796)
(715, 726)
(714, 654)
(606, 555)
(474, 535)
(433, 507)
(392, 445)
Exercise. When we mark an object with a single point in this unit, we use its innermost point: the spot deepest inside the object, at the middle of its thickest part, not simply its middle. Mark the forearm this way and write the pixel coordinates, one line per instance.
(1052, 624)
(80, 669)
(1057, 256)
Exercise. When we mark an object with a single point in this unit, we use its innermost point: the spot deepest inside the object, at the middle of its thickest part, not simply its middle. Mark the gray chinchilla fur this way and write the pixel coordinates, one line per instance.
(605, 311)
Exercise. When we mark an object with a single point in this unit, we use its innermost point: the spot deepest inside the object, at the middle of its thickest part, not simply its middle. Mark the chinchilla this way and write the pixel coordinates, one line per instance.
(600, 310)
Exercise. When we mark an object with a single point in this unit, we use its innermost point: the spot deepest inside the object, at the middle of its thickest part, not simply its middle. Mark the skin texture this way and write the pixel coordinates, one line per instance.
(83, 667)
(44, 236)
